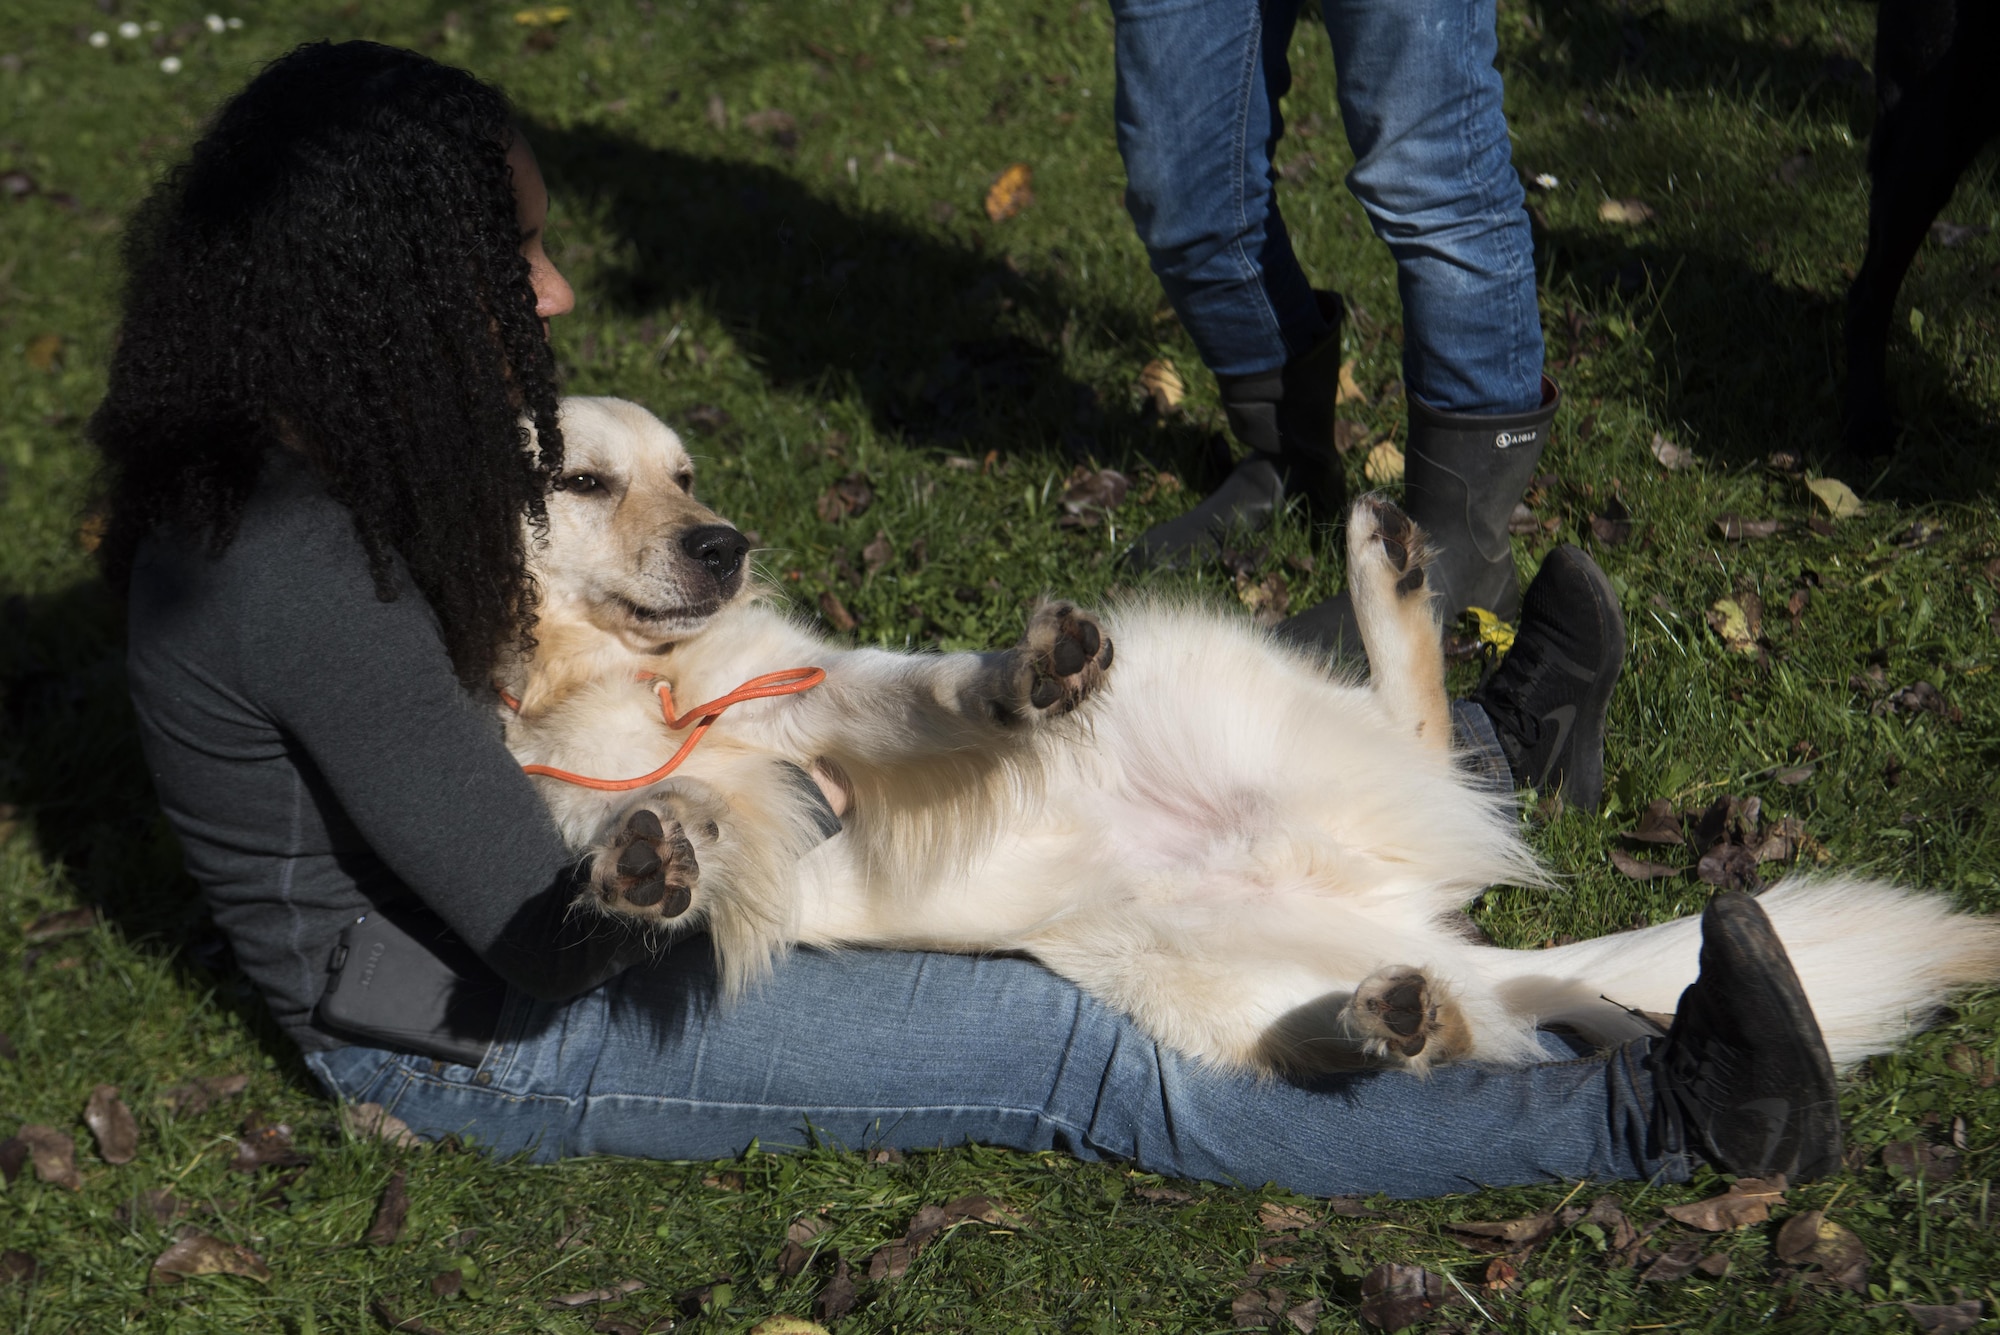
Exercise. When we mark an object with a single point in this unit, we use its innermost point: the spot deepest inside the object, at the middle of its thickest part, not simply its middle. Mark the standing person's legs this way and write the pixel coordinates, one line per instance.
(1199, 82)
(914, 1051)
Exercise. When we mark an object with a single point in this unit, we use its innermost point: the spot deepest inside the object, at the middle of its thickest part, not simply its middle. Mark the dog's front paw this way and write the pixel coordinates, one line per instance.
(1385, 545)
(647, 868)
(1401, 1014)
(1060, 661)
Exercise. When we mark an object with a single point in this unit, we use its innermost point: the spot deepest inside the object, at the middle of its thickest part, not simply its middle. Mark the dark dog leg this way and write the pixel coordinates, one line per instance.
(1936, 109)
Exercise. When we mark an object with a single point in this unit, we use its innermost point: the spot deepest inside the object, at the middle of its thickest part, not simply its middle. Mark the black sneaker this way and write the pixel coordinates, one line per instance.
(1743, 1078)
(1548, 697)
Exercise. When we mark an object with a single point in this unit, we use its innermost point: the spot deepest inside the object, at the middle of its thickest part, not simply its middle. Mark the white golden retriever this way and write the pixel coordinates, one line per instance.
(1263, 866)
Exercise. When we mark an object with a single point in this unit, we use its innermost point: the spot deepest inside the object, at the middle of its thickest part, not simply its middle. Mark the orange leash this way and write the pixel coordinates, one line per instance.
(791, 681)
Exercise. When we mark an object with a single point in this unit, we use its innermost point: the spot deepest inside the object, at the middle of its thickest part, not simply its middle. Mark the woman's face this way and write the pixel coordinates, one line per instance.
(553, 296)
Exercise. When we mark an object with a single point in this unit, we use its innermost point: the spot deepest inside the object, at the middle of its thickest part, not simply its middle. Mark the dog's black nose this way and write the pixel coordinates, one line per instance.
(719, 548)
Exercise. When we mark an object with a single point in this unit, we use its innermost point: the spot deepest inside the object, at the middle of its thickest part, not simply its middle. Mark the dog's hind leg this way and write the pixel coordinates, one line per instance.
(1386, 556)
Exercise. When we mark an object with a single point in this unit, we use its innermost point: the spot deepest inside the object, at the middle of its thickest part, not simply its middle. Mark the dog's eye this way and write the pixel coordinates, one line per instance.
(685, 481)
(578, 482)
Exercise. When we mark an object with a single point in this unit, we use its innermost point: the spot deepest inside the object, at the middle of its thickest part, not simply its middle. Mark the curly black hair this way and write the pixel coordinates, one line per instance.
(337, 269)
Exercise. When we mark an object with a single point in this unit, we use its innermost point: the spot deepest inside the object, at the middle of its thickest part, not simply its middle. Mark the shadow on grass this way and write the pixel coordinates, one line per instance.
(1753, 366)
(71, 760)
(943, 344)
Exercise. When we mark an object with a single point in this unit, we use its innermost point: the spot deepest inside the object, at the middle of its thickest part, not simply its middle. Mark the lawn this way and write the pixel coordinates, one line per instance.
(774, 216)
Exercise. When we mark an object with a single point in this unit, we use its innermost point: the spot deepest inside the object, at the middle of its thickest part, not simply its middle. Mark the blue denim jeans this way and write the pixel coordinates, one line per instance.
(912, 1051)
(1199, 82)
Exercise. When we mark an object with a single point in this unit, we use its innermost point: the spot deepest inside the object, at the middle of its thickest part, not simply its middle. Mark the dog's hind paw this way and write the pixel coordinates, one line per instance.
(647, 869)
(1059, 662)
(1400, 1014)
(1390, 536)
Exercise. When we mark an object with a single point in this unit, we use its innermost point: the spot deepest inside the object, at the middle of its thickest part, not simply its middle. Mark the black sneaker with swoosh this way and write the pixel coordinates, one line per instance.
(1548, 697)
(1743, 1078)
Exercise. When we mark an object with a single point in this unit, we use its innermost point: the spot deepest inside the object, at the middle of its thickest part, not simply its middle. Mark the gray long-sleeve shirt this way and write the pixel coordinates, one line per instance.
(316, 754)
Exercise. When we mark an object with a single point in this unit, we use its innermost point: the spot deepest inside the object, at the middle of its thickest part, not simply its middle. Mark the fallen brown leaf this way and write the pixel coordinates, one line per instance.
(371, 1121)
(1811, 1239)
(1501, 1274)
(1748, 1201)
(1346, 389)
(1347, 435)
(54, 1155)
(1384, 464)
(112, 1124)
(836, 1300)
(1674, 1264)
(1608, 1213)
(1011, 193)
(1523, 522)
(390, 1321)
(1095, 489)
(265, 1146)
(64, 922)
(1163, 385)
(1735, 528)
(13, 1155)
(848, 498)
(1630, 212)
(1658, 824)
(1640, 870)
(390, 1209)
(447, 1283)
(1507, 1235)
(1915, 1158)
(788, 1325)
(44, 351)
(1794, 776)
(1612, 526)
(878, 554)
(199, 1095)
(1838, 498)
(199, 1254)
(18, 1267)
(1674, 458)
(1729, 866)
(1394, 1295)
(158, 1205)
(1946, 1318)
(1277, 1217)
(610, 1293)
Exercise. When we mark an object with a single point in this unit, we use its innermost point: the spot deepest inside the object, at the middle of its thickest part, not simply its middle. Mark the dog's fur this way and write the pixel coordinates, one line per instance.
(1263, 866)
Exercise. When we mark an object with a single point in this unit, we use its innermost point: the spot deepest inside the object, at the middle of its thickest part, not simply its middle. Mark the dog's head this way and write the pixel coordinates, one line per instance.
(629, 549)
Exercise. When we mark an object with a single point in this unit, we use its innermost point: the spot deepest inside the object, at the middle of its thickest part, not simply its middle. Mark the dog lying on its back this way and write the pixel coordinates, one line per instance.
(1936, 107)
(1263, 866)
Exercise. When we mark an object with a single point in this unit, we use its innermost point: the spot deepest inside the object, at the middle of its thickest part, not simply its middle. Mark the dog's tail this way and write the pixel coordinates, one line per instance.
(1876, 961)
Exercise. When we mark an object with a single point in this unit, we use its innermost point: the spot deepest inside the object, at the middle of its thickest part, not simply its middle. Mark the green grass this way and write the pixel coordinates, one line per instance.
(867, 318)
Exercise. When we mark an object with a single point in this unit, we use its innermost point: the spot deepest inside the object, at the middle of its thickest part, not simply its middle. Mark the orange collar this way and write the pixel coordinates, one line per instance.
(791, 681)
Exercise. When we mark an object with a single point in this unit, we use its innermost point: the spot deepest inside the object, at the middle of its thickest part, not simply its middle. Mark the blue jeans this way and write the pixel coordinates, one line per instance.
(1199, 82)
(912, 1051)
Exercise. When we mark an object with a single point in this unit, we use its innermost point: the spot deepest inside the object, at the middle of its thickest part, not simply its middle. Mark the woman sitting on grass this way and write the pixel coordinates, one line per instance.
(334, 343)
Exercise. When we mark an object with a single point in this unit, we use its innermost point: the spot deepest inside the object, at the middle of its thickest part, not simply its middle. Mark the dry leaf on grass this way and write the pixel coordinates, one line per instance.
(1838, 498)
(879, 552)
(199, 1254)
(64, 922)
(391, 1321)
(787, 1325)
(371, 1121)
(159, 1205)
(836, 1300)
(1607, 1213)
(1347, 391)
(13, 1156)
(1163, 385)
(1735, 528)
(1612, 526)
(1630, 212)
(1658, 824)
(1748, 1201)
(389, 1212)
(1090, 489)
(610, 1293)
(1384, 465)
(1277, 1217)
(1394, 1296)
(848, 498)
(1270, 1309)
(54, 1155)
(1640, 870)
(1010, 194)
(266, 1147)
(112, 1124)
(44, 351)
(836, 613)
(1915, 1158)
(199, 1095)
(1946, 1318)
(1811, 1239)
(1738, 622)
(1505, 1236)
(18, 1267)
(1673, 1264)
(1674, 458)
